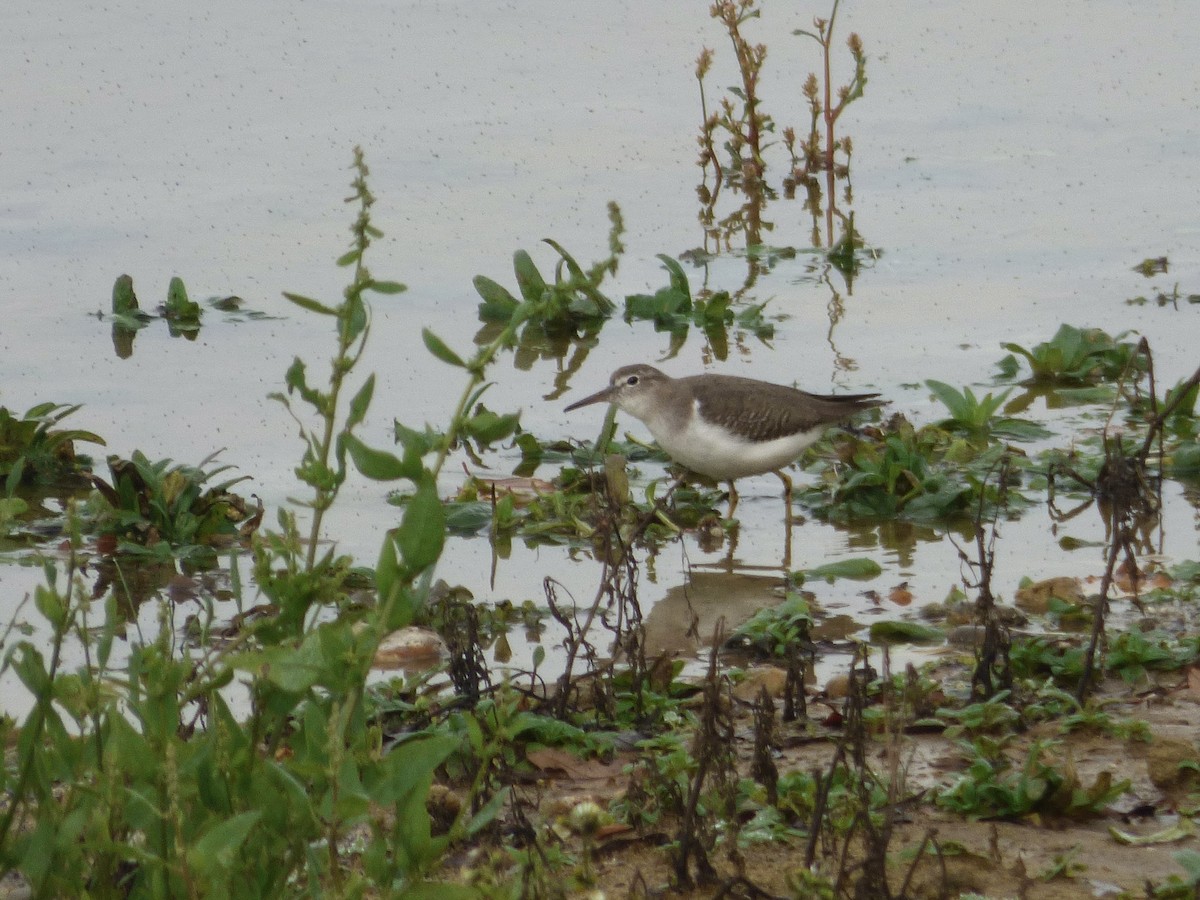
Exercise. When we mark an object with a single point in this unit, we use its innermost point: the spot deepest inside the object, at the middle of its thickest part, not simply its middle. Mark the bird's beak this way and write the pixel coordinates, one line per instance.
(598, 397)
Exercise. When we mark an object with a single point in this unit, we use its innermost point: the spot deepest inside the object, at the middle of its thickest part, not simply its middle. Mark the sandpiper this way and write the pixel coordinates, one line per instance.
(725, 426)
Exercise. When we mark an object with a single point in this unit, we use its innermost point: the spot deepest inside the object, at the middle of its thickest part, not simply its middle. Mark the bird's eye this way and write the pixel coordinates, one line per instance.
(631, 380)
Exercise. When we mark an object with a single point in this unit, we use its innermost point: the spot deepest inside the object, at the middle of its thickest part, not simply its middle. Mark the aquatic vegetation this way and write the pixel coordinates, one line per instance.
(777, 631)
(818, 152)
(182, 314)
(126, 313)
(735, 139)
(571, 302)
(977, 416)
(33, 450)
(147, 503)
(1073, 356)
(895, 476)
(674, 310)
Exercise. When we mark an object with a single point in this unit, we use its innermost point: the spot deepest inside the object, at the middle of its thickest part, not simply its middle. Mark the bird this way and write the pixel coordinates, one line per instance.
(725, 426)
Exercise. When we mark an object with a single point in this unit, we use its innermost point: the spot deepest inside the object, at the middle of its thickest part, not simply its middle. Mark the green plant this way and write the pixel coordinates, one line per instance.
(1072, 356)
(735, 140)
(1033, 657)
(170, 509)
(182, 314)
(673, 309)
(993, 788)
(977, 417)
(32, 449)
(134, 778)
(1131, 653)
(744, 125)
(658, 782)
(126, 314)
(777, 631)
(894, 477)
(992, 716)
(551, 311)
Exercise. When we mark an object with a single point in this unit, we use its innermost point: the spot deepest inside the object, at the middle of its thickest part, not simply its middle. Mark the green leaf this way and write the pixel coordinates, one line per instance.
(215, 853)
(123, 298)
(11, 507)
(860, 568)
(379, 465)
(529, 279)
(898, 632)
(178, 306)
(360, 403)
(408, 766)
(486, 814)
(1008, 367)
(438, 348)
(12, 482)
(1185, 460)
(494, 294)
(1019, 429)
(177, 296)
(387, 287)
(954, 401)
(49, 604)
(293, 669)
(388, 576)
(423, 528)
(678, 277)
(310, 304)
(417, 443)
(468, 517)
(487, 427)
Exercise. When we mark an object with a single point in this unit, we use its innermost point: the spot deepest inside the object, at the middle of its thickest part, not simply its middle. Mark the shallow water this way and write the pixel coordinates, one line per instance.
(1010, 169)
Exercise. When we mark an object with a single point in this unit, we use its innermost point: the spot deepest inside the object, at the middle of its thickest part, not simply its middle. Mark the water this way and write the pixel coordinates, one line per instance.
(1010, 167)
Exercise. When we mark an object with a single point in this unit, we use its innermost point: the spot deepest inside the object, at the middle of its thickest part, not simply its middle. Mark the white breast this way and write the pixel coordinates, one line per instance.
(712, 451)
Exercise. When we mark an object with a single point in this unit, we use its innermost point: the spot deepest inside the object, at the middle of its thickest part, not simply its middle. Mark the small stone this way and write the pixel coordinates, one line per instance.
(410, 647)
(1035, 598)
(1169, 764)
(837, 687)
(773, 678)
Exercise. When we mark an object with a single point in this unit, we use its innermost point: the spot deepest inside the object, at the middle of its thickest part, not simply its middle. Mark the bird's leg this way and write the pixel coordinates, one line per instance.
(787, 519)
(787, 498)
(733, 500)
